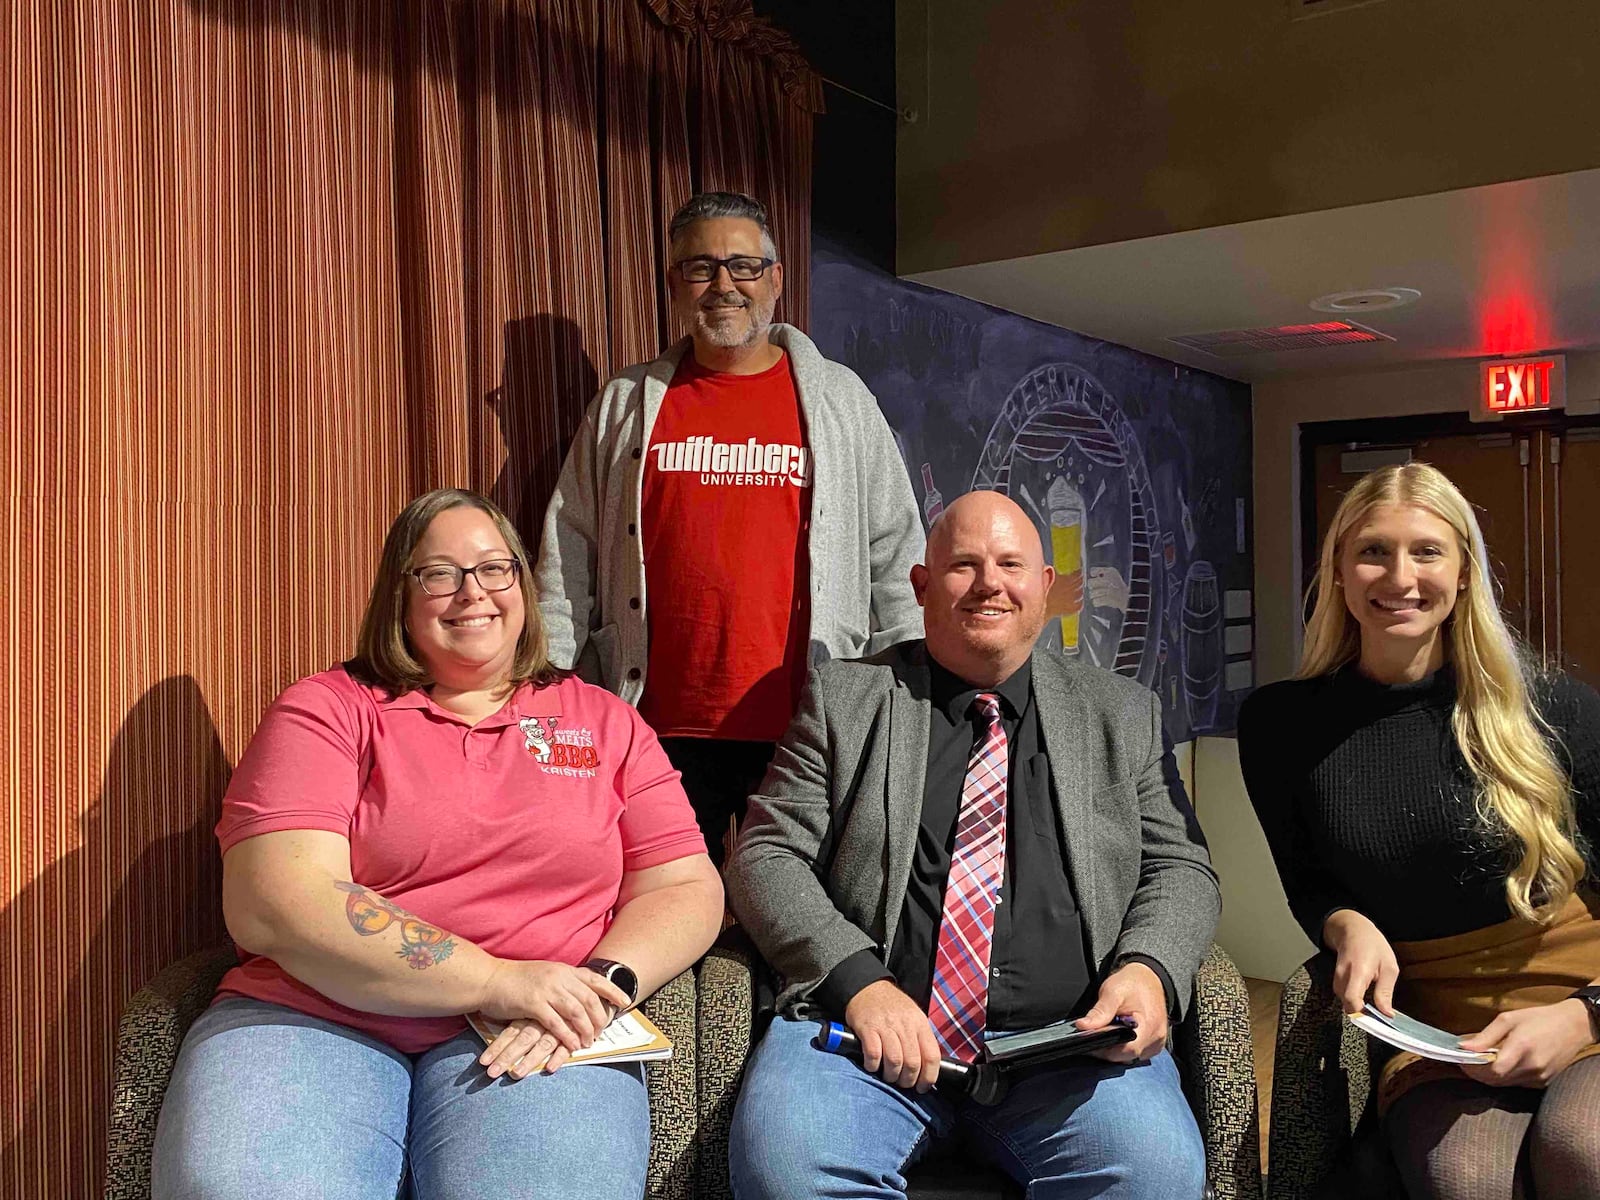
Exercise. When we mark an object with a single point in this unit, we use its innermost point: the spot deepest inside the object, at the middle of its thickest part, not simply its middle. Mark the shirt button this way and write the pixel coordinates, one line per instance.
(633, 672)
(637, 453)
(633, 530)
(633, 602)
(995, 972)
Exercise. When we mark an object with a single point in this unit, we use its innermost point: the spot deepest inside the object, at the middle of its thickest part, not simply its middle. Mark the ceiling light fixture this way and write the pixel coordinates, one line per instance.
(1366, 300)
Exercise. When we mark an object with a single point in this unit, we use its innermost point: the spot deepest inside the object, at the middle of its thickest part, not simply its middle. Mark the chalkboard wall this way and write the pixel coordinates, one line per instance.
(1135, 470)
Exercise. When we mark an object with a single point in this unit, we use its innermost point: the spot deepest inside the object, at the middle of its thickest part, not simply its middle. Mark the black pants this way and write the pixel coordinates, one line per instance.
(719, 776)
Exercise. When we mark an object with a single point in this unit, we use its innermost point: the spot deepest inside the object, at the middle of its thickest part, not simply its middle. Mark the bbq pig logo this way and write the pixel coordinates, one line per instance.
(559, 751)
(538, 740)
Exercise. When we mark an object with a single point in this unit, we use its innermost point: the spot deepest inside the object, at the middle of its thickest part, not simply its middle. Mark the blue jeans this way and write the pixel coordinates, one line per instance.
(812, 1124)
(266, 1102)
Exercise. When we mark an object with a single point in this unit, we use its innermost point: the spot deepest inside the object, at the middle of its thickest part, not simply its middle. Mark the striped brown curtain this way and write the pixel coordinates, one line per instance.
(273, 267)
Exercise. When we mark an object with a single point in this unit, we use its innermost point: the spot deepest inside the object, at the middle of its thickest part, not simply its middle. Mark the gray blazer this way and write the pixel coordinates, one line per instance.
(821, 867)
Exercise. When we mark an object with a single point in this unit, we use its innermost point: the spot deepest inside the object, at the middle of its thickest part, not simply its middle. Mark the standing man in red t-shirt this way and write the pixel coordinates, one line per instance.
(727, 515)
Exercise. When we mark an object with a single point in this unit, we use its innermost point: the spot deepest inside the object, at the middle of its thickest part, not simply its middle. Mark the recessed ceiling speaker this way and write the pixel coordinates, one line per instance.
(1366, 300)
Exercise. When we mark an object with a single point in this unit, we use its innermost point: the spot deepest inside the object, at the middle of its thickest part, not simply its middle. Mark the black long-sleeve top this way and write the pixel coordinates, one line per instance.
(1368, 804)
(1040, 968)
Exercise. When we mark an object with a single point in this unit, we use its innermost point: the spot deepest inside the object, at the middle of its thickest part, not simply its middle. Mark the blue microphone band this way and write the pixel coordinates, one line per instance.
(974, 1080)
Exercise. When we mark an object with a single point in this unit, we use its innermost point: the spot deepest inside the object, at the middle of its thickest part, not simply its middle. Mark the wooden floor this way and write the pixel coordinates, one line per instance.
(1264, 1031)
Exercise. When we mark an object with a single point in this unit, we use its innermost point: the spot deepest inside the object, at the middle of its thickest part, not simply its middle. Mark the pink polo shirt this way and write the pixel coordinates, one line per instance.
(513, 833)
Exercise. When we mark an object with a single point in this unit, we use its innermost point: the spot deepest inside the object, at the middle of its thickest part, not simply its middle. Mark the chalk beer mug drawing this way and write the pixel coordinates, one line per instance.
(1065, 507)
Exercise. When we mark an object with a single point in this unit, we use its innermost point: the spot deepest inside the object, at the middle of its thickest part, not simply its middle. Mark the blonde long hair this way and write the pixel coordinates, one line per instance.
(1521, 787)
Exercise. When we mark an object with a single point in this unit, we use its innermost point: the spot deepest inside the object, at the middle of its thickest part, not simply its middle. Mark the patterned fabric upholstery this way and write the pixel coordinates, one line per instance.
(1213, 1048)
(148, 1037)
(672, 1093)
(1321, 1081)
(726, 996)
(1216, 1056)
(156, 1019)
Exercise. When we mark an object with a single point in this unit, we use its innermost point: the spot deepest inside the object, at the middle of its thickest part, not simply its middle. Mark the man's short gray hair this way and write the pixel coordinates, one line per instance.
(707, 205)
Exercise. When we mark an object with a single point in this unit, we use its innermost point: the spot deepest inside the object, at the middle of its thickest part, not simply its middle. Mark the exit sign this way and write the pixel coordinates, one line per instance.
(1508, 386)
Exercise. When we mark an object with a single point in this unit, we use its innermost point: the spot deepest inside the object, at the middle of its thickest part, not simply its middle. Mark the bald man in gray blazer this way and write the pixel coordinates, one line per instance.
(962, 836)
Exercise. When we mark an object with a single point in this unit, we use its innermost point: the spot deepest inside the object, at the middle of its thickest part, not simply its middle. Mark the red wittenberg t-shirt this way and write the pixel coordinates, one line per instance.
(726, 503)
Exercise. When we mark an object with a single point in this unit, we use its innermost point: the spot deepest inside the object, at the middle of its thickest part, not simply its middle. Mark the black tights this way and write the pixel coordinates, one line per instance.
(1459, 1140)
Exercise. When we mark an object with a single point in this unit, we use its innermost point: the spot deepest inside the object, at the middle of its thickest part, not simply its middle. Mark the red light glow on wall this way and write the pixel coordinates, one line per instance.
(1513, 323)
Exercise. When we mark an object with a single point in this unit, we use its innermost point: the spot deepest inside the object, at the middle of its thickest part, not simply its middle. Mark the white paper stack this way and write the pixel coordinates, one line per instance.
(1407, 1033)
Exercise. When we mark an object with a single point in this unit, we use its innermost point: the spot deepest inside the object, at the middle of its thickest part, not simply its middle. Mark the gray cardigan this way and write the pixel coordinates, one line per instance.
(865, 533)
(823, 859)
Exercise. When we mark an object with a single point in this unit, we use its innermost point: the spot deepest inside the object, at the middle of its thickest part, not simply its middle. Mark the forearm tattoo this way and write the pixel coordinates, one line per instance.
(421, 944)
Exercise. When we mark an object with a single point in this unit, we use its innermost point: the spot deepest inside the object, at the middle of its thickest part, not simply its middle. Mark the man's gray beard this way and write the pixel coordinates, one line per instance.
(728, 339)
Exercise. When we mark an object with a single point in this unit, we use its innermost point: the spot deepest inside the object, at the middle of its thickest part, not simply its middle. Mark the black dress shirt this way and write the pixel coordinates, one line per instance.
(1039, 964)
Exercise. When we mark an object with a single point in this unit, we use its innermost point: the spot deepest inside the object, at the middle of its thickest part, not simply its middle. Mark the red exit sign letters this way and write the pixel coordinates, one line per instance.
(1516, 385)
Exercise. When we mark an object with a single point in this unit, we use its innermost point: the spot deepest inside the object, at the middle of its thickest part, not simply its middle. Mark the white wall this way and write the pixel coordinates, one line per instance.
(1256, 929)
(1184, 753)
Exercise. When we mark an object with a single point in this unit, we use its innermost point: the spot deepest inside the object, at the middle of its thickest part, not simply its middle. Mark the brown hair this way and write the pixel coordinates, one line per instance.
(384, 655)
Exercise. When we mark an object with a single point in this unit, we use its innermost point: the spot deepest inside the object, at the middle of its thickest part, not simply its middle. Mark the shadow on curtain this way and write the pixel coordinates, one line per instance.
(99, 922)
(276, 266)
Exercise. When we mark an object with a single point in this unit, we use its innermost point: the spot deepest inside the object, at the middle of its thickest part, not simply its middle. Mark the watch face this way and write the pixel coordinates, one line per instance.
(618, 975)
(625, 979)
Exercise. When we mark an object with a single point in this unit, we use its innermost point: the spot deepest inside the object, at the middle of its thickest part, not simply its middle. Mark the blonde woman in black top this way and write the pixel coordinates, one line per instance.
(1433, 803)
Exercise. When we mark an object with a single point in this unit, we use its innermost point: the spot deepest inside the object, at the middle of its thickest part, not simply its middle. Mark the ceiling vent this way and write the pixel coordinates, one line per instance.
(1235, 343)
(1299, 10)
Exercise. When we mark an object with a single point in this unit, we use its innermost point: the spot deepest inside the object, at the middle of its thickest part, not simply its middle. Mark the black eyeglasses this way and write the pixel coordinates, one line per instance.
(446, 579)
(703, 268)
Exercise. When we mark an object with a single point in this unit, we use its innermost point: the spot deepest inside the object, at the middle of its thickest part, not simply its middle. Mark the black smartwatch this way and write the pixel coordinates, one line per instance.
(1590, 996)
(617, 975)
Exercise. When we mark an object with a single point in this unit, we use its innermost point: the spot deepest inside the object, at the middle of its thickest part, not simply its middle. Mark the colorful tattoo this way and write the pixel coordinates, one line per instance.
(421, 944)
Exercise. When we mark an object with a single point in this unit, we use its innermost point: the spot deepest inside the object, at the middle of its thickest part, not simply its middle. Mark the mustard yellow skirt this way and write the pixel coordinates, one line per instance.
(1461, 983)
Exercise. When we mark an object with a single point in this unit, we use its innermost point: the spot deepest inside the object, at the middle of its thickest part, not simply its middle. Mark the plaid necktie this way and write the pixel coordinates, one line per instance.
(959, 1001)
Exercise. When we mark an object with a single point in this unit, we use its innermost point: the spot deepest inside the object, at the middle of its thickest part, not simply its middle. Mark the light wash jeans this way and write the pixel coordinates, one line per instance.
(810, 1124)
(266, 1102)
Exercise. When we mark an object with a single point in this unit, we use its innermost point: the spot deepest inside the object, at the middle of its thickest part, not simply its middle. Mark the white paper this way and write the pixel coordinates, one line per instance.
(1236, 604)
(1238, 676)
(1408, 1033)
(1236, 639)
(624, 1033)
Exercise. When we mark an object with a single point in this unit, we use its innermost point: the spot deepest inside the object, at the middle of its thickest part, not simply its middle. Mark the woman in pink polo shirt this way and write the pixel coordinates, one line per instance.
(443, 825)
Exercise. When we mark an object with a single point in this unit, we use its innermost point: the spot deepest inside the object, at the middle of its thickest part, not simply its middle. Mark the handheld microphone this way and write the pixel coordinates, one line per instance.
(982, 1082)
